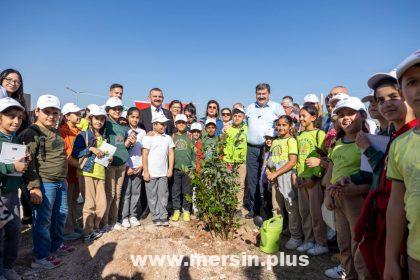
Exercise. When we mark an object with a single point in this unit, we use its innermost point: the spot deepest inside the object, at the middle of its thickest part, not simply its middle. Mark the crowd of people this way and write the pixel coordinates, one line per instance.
(291, 160)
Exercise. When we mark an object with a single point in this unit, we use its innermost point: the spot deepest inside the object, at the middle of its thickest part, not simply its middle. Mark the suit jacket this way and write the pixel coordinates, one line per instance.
(146, 120)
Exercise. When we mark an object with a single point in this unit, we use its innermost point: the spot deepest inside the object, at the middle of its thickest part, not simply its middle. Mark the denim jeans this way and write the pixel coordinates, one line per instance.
(252, 199)
(49, 219)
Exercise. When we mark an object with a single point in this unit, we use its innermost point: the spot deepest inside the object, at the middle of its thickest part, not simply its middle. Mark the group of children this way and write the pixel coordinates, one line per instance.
(304, 169)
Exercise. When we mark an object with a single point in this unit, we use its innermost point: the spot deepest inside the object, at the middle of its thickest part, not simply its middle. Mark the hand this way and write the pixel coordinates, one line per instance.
(97, 152)
(35, 196)
(146, 176)
(335, 190)
(130, 171)
(313, 162)
(328, 202)
(138, 169)
(270, 175)
(169, 174)
(130, 140)
(20, 165)
(362, 141)
(110, 159)
(392, 271)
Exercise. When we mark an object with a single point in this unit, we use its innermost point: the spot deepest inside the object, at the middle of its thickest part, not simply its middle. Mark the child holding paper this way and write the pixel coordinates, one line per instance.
(11, 113)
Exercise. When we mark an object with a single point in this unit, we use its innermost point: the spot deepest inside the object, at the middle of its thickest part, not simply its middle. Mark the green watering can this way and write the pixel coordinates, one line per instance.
(270, 234)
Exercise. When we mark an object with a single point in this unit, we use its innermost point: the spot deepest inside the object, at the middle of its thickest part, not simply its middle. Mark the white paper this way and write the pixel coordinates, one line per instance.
(378, 142)
(11, 152)
(109, 151)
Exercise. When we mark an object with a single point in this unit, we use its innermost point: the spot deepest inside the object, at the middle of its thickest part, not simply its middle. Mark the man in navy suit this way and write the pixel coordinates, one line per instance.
(146, 115)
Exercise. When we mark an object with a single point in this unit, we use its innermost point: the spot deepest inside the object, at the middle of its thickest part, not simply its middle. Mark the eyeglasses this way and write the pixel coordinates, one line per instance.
(11, 81)
(189, 116)
(226, 114)
(212, 107)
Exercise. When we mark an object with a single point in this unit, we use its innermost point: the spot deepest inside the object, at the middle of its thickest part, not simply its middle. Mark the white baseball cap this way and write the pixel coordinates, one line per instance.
(240, 109)
(411, 60)
(160, 118)
(350, 102)
(124, 114)
(379, 77)
(70, 108)
(181, 117)
(48, 101)
(269, 132)
(211, 120)
(339, 96)
(196, 126)
(8, 102)
(311, 98)
(90, 106)
(113, 102)
(95, 110)
(368, 98)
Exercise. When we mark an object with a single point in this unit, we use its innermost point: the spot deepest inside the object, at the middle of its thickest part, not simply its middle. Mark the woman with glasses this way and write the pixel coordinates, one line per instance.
(191, 113)
(175, 107)
(212, 112)
(226, 118)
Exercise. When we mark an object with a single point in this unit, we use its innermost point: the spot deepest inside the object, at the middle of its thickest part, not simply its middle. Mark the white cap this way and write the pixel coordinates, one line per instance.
(48, 101)
(269, 132)
(181, 117)
(3, 92)
(113, 102)
(160, 118)
(90, 106)
(311, 98)
(196, 126)
(350, 102)
(70, 108)
(8, 102)
(379, 77)
(339, 96)
(239, 109)
(211, 120)
(412, 60)
(124, 114)
(368, 98)
(95, 110)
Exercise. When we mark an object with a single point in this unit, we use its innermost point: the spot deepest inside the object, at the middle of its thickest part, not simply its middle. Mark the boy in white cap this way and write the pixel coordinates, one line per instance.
(404, 171)
(46, 181)
(210, 139)
(184, 158)
(11, 114)
(158, 164)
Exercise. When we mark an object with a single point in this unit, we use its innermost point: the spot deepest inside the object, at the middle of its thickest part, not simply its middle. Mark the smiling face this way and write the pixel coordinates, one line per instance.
(156, 98)
(349, 120)
(175, 109)
(159, 127)
(268, 141)
(282, 127)
(196, 134)
(181, 126)
(238, 119)
(226, 116)
(190, 116)
(115, 112)
(73, 118)
(116, 92)
(134, 119)
(47, 117)
(391, 105)
(11, 83)
(305, 118)
(97, 122)
(262, 96)
(211, 129)
(11, 120)
(410, 85)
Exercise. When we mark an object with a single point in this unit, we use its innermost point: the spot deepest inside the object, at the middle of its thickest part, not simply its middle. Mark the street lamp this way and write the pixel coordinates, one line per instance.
(76, 92)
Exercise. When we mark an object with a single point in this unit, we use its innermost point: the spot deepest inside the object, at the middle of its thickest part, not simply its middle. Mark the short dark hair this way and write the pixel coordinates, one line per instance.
(385, 82)
(155, 89)
(176, 101)
(132, 110)
(262, 86)
(190, 108)
(288, 97)
(116, 86)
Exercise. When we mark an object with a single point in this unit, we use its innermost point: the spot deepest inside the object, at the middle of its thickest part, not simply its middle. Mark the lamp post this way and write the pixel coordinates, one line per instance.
(75, 92)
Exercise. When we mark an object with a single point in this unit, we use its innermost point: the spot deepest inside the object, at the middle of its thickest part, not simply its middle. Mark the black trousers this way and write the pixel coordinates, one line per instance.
(180, 190)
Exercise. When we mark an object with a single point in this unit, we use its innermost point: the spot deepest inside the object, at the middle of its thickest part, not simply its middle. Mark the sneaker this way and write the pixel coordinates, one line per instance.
(71, 236)
(305, 247)
(292, 244)
(126, 223)
(157, 223)
(318, 250)
(337, 272)
(186, 216)
(65, 250)
(118, 226)
(134, 222)
(46, 263)
(92, 236)
(11, 274)
(175, 216)
(164, 223)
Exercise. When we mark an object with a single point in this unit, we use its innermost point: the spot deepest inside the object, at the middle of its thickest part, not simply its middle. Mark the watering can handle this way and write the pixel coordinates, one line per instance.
(269, 221)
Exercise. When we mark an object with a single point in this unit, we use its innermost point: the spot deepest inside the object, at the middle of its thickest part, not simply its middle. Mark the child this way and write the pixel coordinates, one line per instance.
(265, 193)
(198, 144)
(11, 114)
(343, 196)
(92, 174)
(404, 171)
(46, 181)
(68, 130)
(282, 161)
(210, 139)
(184, 158)
(157, 152)
(309, 185)
(84, 122)
(133, 180)
(235, 150)
(115, 135)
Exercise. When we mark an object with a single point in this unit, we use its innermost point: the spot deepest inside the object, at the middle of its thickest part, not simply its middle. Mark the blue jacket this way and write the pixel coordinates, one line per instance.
(80, 149)
(219, 125)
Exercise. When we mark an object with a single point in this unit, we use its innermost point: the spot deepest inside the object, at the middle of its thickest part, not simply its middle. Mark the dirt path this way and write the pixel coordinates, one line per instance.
(109, 257)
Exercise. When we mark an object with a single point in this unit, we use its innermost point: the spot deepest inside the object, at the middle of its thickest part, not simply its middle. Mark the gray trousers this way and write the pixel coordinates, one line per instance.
(157, 197)
(131, 196)
(10, 233)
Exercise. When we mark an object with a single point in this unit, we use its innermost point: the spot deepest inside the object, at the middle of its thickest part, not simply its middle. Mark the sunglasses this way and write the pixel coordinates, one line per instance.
(226, 114)
(212, 107)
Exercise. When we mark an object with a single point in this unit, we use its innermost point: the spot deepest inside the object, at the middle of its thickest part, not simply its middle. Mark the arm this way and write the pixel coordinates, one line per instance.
(145, 156)
(171, 162)
(395, 227)
(79, 147)
(285, 168)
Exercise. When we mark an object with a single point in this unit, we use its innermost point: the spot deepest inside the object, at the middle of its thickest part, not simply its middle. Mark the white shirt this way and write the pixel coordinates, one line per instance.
(260, 119)
(373, 128)
(158, 146)
(134, 152)
(156, 111)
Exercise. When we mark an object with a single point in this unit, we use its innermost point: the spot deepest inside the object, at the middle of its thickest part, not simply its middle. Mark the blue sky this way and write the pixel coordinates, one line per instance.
(200, 50)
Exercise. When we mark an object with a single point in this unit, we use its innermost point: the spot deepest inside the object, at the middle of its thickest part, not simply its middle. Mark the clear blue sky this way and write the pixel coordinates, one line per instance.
(198, 50)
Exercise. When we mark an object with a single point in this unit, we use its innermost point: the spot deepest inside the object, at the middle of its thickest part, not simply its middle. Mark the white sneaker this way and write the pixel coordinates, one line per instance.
(337, 272)
(318, 250)
(11, 274)
(292, 244)
(305, 247)
(126, 223)
(118, 226)
(134, 222)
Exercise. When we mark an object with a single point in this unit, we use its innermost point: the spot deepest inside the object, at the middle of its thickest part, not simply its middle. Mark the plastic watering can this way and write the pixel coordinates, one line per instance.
(270, 234)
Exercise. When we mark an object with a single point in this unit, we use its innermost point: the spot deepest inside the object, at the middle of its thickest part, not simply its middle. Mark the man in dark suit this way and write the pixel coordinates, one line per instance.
(146, 115)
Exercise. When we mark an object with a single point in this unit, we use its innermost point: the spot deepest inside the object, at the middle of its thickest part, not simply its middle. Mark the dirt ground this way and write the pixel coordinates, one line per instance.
(109, 256)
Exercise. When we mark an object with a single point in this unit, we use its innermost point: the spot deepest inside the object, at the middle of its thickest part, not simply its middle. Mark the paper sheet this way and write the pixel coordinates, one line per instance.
(11, 152)
(378, 142)
(109, 151)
